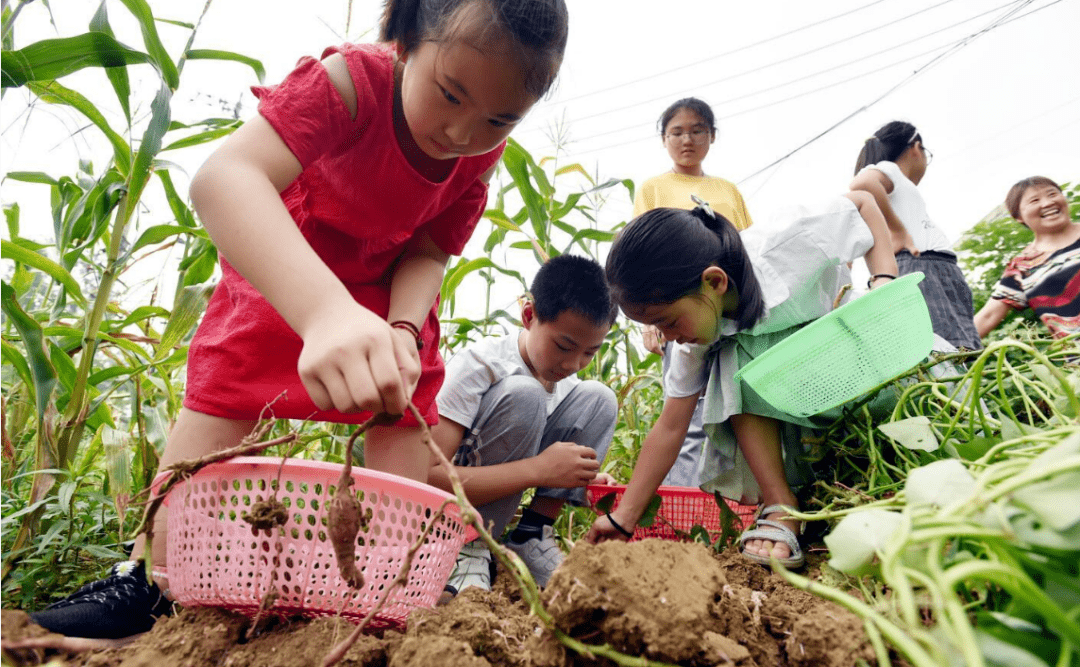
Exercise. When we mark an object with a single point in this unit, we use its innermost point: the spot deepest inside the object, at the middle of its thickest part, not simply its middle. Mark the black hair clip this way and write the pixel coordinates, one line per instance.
(704, 205)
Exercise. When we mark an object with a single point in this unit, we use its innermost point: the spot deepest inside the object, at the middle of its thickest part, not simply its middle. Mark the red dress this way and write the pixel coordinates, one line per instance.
(358, 202)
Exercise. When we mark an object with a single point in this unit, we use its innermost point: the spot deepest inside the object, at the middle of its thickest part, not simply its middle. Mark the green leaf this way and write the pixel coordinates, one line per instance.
(606, 503)
(52, 92)
(188, 309)
(154, 47)
(516, 159)
(860, 538)
(31, 177)
(941, 483)
(55, 58)
(42, 263)
(913, 433)
(202, 137)
(41, 369)
(214, 54)
(202, 264)
(117, 75)
(159, 233)
(177, 204)
(464, 268)
(16, 360)
(150, 145)
(11, 216)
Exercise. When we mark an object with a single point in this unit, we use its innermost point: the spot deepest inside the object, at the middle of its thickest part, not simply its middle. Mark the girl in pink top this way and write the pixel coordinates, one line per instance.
(335, 210)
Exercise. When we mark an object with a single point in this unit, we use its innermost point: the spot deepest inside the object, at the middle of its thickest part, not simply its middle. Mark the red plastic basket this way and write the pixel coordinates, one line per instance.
(217, 559)
(681, 508)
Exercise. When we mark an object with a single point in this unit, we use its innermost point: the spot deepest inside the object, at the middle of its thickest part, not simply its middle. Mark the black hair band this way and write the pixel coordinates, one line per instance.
(628, 533)
(879, 275)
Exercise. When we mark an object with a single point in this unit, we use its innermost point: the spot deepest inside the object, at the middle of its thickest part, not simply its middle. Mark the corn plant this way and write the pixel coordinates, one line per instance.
(84, 377)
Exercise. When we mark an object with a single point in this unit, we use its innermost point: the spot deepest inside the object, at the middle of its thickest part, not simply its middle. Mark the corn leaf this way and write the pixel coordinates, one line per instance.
(150, 145)
(188, 309)
(41, 369)
(214, 54)
(52, 92)
(118, 76)
(44, 264)
(51, 59)
(153, 44)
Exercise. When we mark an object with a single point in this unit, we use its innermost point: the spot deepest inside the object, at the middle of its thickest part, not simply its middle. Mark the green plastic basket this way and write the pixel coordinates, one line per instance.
(846, 353)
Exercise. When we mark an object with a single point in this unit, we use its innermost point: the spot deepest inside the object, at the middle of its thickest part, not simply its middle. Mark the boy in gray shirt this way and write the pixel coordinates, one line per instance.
(513, 415)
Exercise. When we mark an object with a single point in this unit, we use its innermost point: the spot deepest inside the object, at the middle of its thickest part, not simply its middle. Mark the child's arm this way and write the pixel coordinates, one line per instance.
(561, 465)
(879, 185)
(879, 259)
(658, 454)
(346, 362)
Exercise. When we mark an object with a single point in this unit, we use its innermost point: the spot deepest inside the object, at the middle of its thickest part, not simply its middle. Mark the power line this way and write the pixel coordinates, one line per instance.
(719, 55)
(759, 68)
(934, 61)
(819, 73)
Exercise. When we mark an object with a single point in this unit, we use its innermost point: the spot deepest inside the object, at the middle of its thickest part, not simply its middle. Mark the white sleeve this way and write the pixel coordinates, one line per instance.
(688, 373)
(468, 378)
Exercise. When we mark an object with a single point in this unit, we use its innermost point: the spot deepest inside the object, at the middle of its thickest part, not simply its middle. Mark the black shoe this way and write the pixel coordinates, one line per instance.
(120, 605)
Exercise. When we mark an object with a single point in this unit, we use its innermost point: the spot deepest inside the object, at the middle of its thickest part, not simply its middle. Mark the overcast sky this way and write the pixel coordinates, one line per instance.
(993, 107)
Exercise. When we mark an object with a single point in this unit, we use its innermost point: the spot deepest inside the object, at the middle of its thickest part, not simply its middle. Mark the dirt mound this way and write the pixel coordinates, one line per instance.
(677, 603)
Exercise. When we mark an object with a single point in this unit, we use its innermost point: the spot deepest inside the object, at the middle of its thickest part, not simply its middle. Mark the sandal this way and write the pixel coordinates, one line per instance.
(775, 532)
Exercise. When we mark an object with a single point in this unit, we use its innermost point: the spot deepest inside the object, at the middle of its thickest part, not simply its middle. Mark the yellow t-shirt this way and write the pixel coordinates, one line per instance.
(673, 190)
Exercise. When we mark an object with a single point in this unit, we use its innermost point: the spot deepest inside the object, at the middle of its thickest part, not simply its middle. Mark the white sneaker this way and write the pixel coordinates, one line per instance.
(542, 555)
(473, 567)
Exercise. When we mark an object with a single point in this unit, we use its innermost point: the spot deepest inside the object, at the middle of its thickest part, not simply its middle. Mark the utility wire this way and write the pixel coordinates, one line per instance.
(995, 24)
(812, 75)
(759, 68)
(719, 55)
(908, 79)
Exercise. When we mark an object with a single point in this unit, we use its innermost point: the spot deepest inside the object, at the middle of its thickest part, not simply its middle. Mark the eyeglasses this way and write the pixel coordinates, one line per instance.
(698, 135)
(928, 154)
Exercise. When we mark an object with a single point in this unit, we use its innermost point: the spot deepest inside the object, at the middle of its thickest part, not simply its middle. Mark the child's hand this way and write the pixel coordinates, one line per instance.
(904, 241)
(604, 479)
(650, 336)
(603, 530)
(564, 465)
(351, 362)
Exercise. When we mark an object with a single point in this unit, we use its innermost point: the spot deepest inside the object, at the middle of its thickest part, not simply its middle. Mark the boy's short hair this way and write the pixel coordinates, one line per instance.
(569, 282)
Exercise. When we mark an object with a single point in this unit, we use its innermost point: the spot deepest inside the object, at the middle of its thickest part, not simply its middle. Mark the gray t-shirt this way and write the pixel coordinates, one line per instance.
(472, 371)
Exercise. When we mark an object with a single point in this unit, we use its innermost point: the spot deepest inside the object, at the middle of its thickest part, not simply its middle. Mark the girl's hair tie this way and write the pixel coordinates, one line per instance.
(914, 133)
(705, 213)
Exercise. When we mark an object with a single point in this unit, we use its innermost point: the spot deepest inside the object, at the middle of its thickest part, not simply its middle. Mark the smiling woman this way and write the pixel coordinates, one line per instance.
(1045, 276)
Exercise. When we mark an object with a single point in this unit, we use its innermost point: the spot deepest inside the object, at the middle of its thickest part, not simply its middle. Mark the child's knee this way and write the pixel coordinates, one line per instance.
(522, 394)
(601, 400)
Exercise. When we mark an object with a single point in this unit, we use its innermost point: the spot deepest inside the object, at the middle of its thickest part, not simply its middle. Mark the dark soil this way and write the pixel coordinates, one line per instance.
(666, 601)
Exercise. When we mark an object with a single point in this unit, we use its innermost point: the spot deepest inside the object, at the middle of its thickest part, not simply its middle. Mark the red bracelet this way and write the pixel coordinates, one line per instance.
(411, 328)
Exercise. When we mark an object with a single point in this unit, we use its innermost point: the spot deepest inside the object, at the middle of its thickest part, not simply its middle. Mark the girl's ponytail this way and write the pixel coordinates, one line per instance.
(659, 258)
(401, 21)
(887, 144)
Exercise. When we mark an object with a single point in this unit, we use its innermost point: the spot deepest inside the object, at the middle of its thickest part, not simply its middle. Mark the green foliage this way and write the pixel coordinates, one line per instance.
(90, 387)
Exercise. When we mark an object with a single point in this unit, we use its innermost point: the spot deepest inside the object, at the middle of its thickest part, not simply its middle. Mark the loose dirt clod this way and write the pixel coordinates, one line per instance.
(267, 514)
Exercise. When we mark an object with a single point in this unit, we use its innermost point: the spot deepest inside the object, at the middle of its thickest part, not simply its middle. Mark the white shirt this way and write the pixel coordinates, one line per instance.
(472, 371)
(908, 204)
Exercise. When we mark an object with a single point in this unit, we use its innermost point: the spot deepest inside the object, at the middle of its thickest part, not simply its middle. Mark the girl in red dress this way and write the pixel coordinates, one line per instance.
(335, 210)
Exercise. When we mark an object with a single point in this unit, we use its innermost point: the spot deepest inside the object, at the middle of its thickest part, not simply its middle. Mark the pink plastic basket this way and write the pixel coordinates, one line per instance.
(681, 508)
(217, 559)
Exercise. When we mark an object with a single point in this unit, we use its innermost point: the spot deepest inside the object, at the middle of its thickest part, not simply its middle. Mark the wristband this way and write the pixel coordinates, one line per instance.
(629, 534)
(411, 328)
(879, 275)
